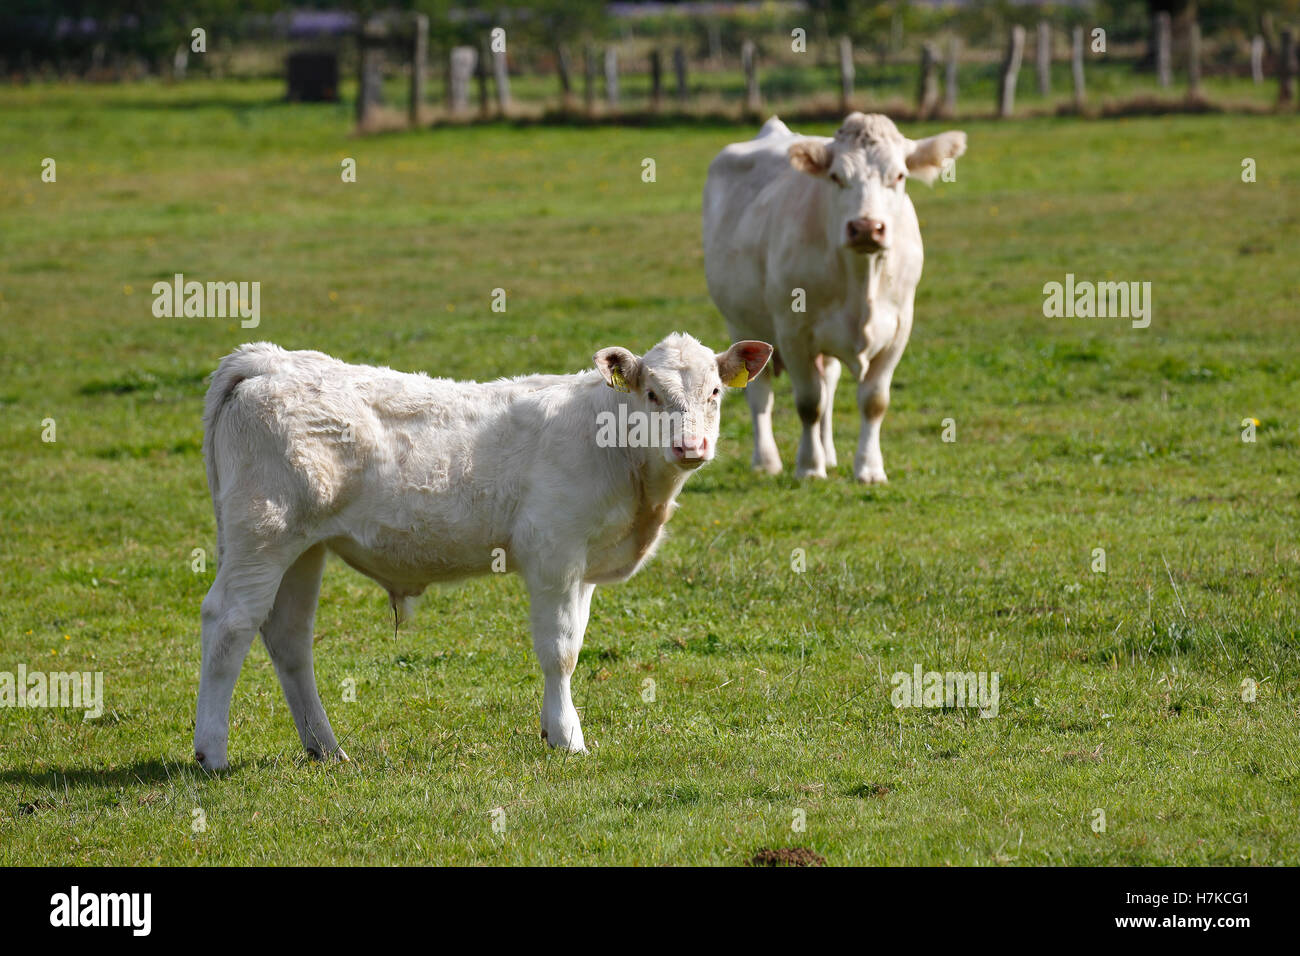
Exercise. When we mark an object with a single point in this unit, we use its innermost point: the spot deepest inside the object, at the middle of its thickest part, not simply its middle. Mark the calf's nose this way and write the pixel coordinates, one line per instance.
(866, 232)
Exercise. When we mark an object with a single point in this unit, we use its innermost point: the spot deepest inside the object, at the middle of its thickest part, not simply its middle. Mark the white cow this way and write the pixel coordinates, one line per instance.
(413, 480)
(813, 244)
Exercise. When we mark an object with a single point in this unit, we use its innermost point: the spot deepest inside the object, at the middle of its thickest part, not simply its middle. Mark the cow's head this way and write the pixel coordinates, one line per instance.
(682, 383)
(867, 165)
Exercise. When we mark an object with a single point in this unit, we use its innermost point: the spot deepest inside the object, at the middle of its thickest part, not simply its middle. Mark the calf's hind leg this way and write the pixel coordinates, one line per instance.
(236, 606)
(287, 635)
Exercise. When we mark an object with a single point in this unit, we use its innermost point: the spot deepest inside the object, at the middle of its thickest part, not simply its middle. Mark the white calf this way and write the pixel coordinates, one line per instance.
(413, 480)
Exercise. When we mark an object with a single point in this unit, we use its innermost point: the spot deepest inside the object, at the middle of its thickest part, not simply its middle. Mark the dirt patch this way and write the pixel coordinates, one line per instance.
(791, 856)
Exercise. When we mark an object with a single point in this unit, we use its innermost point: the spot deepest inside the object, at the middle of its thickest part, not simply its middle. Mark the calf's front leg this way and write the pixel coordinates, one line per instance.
(559, 619)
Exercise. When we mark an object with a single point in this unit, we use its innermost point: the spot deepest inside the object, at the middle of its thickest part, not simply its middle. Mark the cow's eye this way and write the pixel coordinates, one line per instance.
(835, 178)
(653, 397)
(898, 180)
(716, 391)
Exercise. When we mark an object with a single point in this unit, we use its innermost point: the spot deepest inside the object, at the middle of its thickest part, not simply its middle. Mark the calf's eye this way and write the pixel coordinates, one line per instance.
(715, 392)
(653, 397)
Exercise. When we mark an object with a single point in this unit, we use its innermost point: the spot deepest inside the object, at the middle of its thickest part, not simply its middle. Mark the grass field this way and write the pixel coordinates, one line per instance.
(1120, 691)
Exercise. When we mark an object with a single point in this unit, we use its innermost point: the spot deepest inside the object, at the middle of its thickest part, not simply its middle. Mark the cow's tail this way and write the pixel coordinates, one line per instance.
(247, 361)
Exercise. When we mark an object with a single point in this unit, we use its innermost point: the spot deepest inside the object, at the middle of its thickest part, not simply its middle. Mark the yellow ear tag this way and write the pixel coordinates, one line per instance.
(740, 379)
(617, 381)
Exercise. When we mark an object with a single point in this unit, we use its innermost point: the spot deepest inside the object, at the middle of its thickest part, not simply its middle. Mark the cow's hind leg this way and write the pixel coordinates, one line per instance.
(234, 609)
(809, 401)
(287, 635)
(759, 396)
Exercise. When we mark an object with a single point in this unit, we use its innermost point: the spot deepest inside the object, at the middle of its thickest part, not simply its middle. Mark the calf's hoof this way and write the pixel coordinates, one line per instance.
(871, 476)
(802, 473)
(211, 760)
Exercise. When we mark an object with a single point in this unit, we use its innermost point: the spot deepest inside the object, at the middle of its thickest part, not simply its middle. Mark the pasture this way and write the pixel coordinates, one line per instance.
(1120, 691)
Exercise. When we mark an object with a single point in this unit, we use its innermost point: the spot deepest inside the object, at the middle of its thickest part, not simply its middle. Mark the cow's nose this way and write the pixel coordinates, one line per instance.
(866, 233)
(691, 448)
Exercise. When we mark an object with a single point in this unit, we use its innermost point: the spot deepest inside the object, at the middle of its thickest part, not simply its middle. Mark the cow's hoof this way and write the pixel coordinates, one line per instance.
(810, 473)
(872, 478)
(569, 739)
(329, 756)
(767, 467)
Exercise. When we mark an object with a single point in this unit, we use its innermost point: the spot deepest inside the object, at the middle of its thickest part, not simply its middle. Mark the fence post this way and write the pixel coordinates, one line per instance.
(656, 81)
(1010, 67)
(564, 67)
(501, 77)
(846, 73)
(611, 76)
(1076, 66)
(1162, 38)
(753, 101)
(679, 68)
(1257, 59)
(1044, 58)
(950, 76)
(463, 61)
(1286, 68)
(369, 78)
(715, 41)
(419, 56)
(481, 75)
(1193, 59)
(927, 90)
(589, 79)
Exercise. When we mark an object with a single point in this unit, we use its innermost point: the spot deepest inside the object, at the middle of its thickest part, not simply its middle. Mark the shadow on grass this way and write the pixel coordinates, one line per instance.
(114, 778)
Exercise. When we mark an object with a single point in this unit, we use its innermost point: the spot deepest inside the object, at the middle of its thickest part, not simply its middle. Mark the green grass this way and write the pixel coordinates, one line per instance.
(1119, 691)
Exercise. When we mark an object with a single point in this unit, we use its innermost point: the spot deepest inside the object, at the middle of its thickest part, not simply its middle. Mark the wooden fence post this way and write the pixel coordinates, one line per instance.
(611, 76)
(1162, 43)
(369, 75)
(464, 60)
(589, 79)
(564, 67)
(846, 73)
(1257, 59)
(1044, 58)
(927, 90)
(656, 81)
(753, 100)
(950, 76)
(501, 77)
(1076, 66)
(1010, 67)
(1193, 59)
(481, 75)
(419, 56)
(679, 69)
(1286, 68)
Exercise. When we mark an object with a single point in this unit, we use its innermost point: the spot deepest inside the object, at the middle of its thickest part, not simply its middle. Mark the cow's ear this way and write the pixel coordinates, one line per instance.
(811, 157)
(742, 362)
(619, 367)
(927, 156)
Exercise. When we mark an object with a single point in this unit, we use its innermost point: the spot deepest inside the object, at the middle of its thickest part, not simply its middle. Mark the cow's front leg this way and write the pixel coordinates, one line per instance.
(830, 378)
(873, 402)
(809, 398)
(559, 618)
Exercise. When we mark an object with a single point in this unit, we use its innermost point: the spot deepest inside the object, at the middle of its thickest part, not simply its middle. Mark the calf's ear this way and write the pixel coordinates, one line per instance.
(811, 157)
(743, 361)
(619, 367)
(927, 156)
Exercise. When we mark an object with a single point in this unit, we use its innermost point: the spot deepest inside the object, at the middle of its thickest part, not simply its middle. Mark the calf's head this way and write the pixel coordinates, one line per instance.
(866, 166)
(680, 383)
